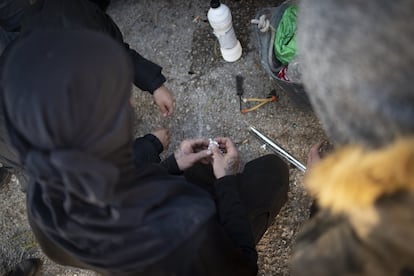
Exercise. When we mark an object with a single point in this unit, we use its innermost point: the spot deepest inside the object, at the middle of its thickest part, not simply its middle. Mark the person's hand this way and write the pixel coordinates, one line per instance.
(190, 152)
(163, 135)
(164, 100)
(314, 156)
(226, 158)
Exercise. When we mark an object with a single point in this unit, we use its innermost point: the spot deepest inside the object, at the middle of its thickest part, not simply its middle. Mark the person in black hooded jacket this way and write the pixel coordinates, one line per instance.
(92, 204)
(20, 17)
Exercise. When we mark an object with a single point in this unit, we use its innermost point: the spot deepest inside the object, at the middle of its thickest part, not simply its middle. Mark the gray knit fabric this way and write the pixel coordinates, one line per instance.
(359, 67)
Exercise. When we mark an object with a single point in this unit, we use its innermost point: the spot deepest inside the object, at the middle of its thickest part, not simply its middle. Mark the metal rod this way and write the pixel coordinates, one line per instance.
(277, 149)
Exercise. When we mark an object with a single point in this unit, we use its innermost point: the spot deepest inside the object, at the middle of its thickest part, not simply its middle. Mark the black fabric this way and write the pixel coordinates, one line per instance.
(9, 158)
(246, 203)
(102, 4)
(147, 149)
(209, 252)
(82, 14)
(233, 217)
(6, 38)
(11, 12)
(260, 190)
(171, 165)
(407, 272)
(263, 191)
(73, 131)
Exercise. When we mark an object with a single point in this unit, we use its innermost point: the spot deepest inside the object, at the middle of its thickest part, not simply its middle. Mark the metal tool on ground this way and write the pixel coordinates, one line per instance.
(262, 101)
(239, 89)
(277, 149)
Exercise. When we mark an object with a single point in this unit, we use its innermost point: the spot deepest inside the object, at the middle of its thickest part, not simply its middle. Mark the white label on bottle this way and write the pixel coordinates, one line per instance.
(227, 40)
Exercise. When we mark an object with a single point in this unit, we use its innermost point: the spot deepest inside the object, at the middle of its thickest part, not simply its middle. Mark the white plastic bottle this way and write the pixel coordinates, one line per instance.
(219, 17)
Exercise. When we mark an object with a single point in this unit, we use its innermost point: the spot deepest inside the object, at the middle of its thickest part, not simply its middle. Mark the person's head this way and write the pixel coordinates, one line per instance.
(66, 103)
(68, 90)
(358, 64)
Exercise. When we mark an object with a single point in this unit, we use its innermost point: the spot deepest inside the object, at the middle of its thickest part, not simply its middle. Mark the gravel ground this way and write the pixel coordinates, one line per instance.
(176, 35)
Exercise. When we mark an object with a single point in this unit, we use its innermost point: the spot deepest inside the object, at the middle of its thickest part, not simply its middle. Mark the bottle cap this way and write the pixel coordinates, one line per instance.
(215, 4)
(233, 54)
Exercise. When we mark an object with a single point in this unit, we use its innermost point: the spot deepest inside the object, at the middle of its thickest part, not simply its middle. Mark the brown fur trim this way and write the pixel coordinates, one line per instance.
(352, 179)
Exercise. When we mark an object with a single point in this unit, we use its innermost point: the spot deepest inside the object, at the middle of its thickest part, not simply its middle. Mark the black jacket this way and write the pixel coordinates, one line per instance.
(223, 246)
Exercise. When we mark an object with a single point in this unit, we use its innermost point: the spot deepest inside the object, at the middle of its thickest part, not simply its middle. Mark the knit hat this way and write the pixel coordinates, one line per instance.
(358, 64)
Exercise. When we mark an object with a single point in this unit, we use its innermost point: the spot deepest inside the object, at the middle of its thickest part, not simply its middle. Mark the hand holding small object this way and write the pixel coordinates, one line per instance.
(190, 152)
(226, 158)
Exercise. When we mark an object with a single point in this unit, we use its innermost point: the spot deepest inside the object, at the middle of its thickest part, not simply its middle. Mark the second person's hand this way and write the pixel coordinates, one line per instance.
(164, 100)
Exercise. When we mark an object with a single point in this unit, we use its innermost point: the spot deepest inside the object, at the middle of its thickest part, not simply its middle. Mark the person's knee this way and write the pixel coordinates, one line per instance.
(269, 163)
(276, 161)
(272, 172)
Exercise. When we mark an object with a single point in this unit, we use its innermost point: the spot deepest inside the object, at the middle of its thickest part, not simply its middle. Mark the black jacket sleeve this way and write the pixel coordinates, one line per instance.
(171, 165)
(147, 149)
(147, 75)
(69, 14)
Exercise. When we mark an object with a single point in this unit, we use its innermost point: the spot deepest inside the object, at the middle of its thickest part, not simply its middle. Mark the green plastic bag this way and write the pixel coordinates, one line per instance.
(285, 40)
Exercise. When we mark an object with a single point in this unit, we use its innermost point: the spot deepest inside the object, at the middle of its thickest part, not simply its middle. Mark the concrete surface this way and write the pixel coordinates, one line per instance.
(176, 35)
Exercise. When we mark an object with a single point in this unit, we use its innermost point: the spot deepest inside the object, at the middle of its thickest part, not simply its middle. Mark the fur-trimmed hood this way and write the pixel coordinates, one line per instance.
(352, 178)
(366, 222)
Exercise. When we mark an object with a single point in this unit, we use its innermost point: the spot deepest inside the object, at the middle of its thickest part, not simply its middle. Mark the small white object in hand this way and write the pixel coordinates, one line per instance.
(211, 144)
